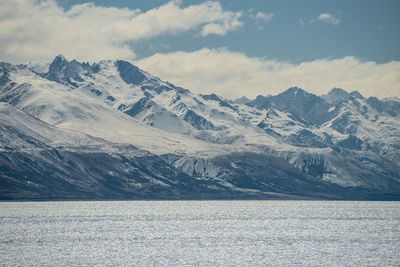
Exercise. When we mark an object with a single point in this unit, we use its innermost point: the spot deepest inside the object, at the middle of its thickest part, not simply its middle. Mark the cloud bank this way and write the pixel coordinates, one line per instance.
(233, 74)
(38, 30)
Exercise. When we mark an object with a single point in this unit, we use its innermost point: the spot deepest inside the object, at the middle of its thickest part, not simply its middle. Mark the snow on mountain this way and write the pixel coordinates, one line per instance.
(39, 161)
(79, 109)
(24, 132)
(342, 143)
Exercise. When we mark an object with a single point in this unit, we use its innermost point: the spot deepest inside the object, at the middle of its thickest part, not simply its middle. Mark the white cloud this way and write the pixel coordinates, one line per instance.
(37, 30)
(260, 18)
(233, 74)
(264, 16)
(329, 18)
(228, 21)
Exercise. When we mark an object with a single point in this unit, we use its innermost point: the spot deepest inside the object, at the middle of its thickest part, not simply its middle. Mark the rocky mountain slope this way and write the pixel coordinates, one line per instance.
(112, 130)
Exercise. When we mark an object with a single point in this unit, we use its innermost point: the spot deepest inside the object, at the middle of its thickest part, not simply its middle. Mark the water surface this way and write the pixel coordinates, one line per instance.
(201, 233)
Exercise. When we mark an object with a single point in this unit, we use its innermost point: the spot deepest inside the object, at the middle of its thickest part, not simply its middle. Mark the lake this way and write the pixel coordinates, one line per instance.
(200, 233)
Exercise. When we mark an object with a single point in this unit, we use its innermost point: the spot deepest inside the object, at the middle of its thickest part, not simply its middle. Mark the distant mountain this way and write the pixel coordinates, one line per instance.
(110, 130)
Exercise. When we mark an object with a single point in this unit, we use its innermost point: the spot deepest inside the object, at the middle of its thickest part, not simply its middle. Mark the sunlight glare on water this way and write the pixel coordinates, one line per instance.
(181, 233)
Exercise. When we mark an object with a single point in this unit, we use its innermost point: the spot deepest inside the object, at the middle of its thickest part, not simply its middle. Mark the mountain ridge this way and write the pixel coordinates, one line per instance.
(341, 145)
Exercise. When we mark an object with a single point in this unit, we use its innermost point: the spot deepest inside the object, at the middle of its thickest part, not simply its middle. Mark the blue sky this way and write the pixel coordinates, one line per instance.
(367, 29)
(233, 48)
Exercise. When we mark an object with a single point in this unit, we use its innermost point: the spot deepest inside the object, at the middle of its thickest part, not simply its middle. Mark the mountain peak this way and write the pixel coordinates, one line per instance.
(294, 91)
(337, 91)
(241, 100)
(356, 94)
(306, 107)
(129, 73)
(58, 62)
(61, 70)
(56, 66)
(60, 57)
(336, 95)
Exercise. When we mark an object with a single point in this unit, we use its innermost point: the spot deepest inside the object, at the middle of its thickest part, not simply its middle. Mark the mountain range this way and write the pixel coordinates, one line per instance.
(110, 130)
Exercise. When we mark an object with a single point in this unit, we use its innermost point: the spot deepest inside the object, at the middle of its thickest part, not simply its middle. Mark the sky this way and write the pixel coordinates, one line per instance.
(230, 47)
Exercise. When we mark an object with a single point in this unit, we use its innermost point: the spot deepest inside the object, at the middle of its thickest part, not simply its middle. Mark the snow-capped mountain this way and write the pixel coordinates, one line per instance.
(112, 130)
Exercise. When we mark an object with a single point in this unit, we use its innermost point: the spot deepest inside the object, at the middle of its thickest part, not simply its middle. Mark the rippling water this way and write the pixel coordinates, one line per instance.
(202, 233)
